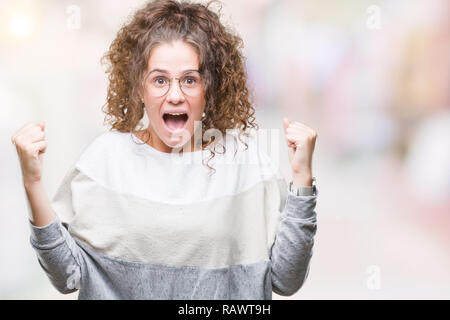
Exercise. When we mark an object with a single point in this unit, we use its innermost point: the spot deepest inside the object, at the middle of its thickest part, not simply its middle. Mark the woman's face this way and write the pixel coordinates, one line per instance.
(173, 60)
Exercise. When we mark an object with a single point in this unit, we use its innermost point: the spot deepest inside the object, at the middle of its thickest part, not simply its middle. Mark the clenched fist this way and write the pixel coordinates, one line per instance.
(30, 145)
(301, 141)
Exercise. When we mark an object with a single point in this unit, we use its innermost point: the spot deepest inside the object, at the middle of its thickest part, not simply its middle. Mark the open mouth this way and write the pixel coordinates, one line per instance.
(175, 121)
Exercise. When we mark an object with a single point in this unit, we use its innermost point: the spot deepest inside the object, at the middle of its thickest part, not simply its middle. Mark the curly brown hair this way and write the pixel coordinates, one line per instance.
(222, 65)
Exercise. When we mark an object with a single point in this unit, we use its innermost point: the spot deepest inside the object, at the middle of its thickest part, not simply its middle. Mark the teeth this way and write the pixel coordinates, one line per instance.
(176, 114)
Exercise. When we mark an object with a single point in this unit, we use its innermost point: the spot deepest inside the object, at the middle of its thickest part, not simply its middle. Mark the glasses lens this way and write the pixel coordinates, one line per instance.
(156, 85)
(191, 84)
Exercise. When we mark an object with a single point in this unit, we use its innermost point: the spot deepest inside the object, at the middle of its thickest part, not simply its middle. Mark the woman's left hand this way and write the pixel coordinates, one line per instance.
(301, 141)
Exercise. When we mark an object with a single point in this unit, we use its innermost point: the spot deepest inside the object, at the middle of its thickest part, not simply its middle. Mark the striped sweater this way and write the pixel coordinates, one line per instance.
(136, 223)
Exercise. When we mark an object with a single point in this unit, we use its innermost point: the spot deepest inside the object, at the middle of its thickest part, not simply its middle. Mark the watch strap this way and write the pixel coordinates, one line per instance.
(303, 191)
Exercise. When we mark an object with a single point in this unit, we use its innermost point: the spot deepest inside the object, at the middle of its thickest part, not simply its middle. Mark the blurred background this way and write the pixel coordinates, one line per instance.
(371, 77)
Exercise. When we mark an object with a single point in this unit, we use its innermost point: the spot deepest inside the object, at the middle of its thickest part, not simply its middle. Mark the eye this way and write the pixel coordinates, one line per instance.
(159, 81)
(190, 81)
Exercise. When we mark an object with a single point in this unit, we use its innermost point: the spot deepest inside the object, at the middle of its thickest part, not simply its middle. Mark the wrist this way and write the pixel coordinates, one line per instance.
(29, 185)
(304, 179)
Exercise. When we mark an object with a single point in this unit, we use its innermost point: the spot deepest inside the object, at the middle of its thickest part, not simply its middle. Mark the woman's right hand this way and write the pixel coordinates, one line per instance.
(30, 145)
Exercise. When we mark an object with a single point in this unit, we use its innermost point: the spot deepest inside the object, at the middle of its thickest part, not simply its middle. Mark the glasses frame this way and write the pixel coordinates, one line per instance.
(170, 83)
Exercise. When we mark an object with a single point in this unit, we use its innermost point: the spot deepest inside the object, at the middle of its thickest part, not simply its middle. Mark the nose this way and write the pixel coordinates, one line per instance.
(175, 95)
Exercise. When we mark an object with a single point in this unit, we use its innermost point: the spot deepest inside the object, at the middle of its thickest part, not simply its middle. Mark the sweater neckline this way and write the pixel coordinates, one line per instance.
(146, 148)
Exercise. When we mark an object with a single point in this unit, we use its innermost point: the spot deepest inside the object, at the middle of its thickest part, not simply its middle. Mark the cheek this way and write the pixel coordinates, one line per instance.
(199, 106)
(152, 109)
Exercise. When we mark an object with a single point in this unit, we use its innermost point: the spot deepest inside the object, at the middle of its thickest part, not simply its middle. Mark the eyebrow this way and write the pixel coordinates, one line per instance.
(165, 71)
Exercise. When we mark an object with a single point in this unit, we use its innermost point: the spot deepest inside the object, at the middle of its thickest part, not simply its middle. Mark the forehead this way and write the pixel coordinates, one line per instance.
(175, 57)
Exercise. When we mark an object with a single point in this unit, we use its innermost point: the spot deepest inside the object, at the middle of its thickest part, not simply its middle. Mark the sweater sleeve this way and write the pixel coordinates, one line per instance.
(57, 252)
(293, 246)
(58, 255)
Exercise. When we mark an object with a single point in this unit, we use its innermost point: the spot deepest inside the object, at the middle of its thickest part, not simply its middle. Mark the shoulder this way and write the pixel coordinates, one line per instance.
(106, 141)
(103, 147)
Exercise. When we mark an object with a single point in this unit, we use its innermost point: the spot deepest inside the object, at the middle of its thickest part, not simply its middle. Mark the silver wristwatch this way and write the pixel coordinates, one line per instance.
(304, 191)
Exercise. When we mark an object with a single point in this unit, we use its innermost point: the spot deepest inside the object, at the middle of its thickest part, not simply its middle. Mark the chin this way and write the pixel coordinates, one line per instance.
(177, 141)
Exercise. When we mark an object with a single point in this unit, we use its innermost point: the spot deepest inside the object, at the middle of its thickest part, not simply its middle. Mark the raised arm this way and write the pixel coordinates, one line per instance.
(293, 247)
(57, 253)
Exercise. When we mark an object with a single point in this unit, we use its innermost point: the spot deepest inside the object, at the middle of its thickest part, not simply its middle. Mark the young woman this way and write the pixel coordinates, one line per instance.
(140, 215)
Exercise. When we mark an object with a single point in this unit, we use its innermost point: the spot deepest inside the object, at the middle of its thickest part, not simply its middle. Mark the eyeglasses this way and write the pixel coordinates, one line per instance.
(157, 85)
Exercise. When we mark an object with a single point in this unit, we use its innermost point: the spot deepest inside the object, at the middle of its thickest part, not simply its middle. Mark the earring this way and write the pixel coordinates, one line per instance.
(203, 115)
